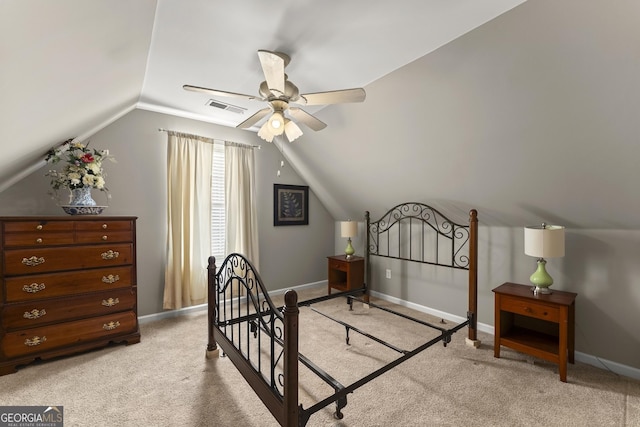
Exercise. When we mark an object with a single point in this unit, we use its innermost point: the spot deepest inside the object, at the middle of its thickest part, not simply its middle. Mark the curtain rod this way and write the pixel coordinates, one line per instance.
(206, 138)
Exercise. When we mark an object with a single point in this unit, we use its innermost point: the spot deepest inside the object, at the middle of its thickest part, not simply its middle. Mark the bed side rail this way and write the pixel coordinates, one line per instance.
(259, 338)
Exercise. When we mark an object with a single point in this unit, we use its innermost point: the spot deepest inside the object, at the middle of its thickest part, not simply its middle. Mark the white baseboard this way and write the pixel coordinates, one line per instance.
(172, 313)
(588, 359)
(203, 307)
(616, 368)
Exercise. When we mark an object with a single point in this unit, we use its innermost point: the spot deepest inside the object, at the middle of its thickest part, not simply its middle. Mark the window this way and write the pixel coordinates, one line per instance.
(218, 237)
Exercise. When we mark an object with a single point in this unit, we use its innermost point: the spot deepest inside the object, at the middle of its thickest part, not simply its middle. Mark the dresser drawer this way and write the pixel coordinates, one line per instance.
(40, 286)
(36, 260)
(104, 226)
(41, 226)
(104, 236)
(44, 338)
(38, 239)
(530, 309)
(39, 312)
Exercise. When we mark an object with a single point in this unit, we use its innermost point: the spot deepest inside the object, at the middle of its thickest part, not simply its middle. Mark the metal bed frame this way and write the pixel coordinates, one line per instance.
(262, 340)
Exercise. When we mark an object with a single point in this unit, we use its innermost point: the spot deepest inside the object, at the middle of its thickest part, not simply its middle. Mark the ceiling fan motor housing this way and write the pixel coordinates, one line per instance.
(291, 92)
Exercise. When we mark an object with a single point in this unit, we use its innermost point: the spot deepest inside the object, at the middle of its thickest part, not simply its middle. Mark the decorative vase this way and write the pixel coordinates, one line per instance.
(82, 197)
(81, 203)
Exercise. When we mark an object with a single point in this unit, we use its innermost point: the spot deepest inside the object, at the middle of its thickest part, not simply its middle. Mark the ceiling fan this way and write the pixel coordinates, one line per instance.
(279, 92)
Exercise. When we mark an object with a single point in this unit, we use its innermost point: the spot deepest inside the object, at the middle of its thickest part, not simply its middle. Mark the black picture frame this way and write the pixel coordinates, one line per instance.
(290, 204)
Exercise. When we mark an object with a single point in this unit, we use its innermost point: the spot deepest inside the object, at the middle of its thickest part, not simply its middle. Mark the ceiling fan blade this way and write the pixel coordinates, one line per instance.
(333, 97)
(220, 92)
(255, 118)
(273, 64)
(306, 118)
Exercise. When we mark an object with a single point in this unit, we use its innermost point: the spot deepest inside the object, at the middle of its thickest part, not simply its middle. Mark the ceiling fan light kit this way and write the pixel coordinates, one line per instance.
(278, 92)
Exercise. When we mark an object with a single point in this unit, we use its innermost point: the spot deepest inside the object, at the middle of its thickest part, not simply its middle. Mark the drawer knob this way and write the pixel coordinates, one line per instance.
(110, 302)
(39, 227)
(34, 314)
(33, 288)
(36, 340)
(110, 278)
(110, 326)
(104, 226)
(39, 240)
(104, 237)
(33, 261)
(110, 254)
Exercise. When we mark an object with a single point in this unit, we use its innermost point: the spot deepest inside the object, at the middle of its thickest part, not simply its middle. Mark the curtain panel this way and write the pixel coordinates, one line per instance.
(189, 163)
(240, 197)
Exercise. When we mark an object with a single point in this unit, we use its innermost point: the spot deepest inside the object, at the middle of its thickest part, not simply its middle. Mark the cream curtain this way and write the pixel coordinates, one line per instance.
(189, 161)
(240, 197)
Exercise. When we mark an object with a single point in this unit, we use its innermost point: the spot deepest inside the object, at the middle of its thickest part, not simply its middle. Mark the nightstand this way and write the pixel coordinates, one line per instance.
(541, 325)
(345, 274)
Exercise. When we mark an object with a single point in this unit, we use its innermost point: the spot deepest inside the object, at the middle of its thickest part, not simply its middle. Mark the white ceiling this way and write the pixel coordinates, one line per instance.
(332, 44)
(70, 67)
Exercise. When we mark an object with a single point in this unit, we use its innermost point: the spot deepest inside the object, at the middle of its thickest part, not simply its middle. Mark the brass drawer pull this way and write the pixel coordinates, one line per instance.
(34, 314)
(39, 227)
(39, 240)
(33, 261)
(33, 288)
(110, 254)
(110, 326)
(104, 237)
(110, 278)
(110, 302)
(31, 342)
(104, 226)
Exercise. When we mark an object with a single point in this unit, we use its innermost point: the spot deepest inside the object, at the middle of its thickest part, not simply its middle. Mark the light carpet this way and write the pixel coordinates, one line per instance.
(165, 380)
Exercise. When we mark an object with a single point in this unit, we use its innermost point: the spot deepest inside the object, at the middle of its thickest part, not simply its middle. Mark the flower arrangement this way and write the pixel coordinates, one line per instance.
(83, 168)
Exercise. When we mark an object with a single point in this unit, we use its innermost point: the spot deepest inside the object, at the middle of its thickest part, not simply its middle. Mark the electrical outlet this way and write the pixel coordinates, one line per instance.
(388, 273)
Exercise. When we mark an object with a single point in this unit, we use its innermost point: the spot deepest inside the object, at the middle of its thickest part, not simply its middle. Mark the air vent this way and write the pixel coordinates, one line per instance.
(228, 107)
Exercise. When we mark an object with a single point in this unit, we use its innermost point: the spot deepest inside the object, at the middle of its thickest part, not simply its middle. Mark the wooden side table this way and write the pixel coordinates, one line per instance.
(536, 324)
(345, 274)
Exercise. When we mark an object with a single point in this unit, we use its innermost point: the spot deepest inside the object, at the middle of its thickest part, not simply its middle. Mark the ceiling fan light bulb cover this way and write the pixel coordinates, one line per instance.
(292, 130)
(276, 123)
(265, 134)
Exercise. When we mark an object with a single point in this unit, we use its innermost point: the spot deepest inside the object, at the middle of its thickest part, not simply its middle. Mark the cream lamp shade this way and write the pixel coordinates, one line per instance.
(349, 229)
(544, 241)
(547, 242)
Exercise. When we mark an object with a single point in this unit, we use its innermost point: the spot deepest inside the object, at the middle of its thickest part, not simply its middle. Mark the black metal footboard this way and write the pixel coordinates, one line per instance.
(260, 339)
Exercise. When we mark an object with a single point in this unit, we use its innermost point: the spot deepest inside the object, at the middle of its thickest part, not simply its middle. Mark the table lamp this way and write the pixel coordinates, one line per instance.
(545, 241)
(349, 229)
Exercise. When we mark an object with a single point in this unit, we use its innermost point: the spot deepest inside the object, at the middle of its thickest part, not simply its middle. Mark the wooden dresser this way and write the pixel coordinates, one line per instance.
(68, 285)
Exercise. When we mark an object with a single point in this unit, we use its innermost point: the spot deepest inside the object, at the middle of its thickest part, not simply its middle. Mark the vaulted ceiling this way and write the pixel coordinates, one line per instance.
(524, 110)
(70, 67)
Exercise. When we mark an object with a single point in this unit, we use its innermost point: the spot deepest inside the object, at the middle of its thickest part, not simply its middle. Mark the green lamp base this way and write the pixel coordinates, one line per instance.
(541, 279)
(349, 251)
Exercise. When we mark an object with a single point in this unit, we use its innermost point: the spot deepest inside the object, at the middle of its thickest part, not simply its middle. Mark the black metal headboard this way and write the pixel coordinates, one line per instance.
(417, 232)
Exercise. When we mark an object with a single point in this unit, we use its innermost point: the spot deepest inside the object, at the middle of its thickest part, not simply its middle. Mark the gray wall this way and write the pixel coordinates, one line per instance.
(289, 256)
(600, 266)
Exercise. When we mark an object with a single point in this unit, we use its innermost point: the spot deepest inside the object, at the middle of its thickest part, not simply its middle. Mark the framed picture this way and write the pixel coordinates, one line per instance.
(290, 204)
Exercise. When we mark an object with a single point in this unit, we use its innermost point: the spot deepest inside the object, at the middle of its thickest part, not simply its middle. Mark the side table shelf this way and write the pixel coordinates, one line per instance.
(539, 325)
